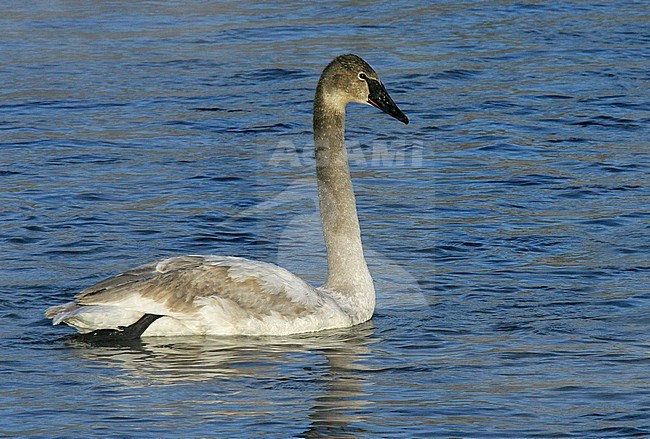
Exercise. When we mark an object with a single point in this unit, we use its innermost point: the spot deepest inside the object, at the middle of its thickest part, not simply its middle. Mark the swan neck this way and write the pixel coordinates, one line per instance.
(347, 269)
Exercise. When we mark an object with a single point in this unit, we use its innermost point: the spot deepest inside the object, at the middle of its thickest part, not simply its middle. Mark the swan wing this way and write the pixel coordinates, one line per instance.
(181, 286)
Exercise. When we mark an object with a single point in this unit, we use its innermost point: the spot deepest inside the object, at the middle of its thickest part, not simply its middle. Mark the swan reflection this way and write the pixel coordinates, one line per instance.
(252, 377)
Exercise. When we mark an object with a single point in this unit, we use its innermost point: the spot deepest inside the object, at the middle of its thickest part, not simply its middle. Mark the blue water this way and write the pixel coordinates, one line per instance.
(507, 227)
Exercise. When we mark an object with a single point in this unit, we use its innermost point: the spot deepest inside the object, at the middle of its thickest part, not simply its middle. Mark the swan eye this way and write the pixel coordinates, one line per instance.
(362, 76)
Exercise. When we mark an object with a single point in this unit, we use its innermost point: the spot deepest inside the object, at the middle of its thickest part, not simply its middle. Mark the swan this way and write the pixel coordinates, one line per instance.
(226, 295)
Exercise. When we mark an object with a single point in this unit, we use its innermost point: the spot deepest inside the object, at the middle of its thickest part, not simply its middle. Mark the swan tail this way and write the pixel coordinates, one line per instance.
(86, 319)
(59, 313)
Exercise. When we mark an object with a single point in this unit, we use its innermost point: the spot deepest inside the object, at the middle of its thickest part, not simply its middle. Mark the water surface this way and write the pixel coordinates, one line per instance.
(507, 227)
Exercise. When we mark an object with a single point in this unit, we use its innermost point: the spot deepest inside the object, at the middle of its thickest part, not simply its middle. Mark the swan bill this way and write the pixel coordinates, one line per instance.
(379, 98)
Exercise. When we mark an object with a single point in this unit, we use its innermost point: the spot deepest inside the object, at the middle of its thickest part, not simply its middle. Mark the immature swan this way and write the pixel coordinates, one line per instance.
(221, 295)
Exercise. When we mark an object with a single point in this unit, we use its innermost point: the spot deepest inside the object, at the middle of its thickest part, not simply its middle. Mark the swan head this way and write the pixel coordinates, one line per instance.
(350, 79)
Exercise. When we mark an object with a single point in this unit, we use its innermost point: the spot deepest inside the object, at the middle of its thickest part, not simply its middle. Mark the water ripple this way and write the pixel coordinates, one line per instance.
(506, 227)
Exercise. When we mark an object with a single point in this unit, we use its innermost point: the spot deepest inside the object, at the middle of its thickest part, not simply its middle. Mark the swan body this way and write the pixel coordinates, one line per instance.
(211, 295)
(223, 295)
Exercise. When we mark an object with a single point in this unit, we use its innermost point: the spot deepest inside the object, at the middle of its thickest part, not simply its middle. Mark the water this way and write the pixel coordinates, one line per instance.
(507, 227)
